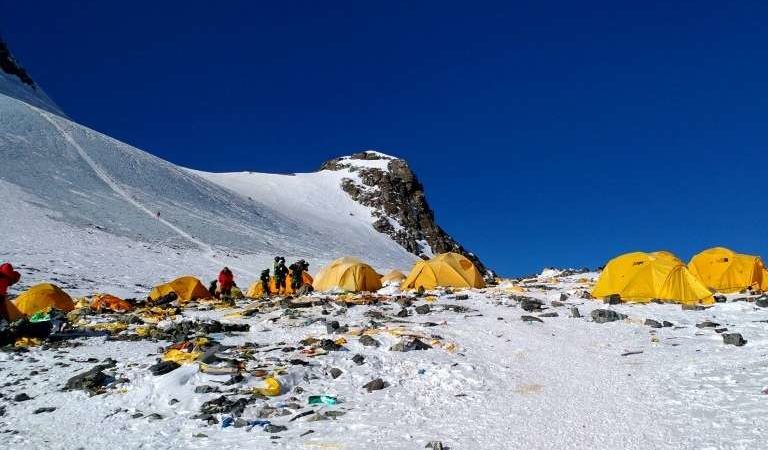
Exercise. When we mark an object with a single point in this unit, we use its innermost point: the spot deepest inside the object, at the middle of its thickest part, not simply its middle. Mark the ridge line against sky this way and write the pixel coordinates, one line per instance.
(545, 134)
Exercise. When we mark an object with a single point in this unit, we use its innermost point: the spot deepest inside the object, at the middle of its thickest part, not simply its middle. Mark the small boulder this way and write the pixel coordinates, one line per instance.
(407, 344)
(368, 341)
(707, 324)
(423, 309)
(272, 428)
(549, 314)
(23, 397)
(762, 301)
(613, 299)
(667, 324)
(575, 313)
(733, 339)
(530, 304)
(530, 319)
(606, 315)
(375, 385)
(164, 367)
(402, 313)
(358, 359)
(44, 409)
(335, 372)
(435, 445)
(652, 323)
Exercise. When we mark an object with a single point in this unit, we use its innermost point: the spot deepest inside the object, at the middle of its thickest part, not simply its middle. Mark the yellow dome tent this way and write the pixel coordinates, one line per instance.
(393, 277)
(642, 277)
(186, 288)
(41, 298)
(347, 274)
(726, 271)
(255, 290)
(446, 270)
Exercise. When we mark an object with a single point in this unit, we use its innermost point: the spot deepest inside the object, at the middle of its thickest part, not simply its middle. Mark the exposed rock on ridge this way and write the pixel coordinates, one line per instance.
(388, 186)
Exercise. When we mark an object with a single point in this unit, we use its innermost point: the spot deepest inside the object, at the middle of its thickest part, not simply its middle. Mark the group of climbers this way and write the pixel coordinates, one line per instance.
(222, 287)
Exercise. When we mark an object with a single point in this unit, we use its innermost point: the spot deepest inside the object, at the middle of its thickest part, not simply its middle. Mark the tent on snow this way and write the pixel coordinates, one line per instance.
(347, 274)
(42, 298)
(642, 277)
(394, 277)
(446, 270)
(256, 291)
(726, 271)
(186, 288)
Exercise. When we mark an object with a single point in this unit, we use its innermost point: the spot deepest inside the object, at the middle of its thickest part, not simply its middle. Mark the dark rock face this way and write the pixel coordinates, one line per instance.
(396, 196)
(9, 65)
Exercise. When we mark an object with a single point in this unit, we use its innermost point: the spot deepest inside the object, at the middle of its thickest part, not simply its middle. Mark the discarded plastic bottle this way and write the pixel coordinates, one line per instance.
(322, 399)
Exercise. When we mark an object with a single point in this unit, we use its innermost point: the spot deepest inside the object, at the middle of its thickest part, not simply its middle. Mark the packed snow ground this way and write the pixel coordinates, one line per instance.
(558, 384)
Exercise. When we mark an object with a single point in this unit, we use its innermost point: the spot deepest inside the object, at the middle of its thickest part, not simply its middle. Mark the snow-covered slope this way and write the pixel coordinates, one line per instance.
(86, 180)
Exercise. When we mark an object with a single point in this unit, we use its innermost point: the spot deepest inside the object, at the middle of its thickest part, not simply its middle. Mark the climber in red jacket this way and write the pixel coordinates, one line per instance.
(226, 281)
(8, 277)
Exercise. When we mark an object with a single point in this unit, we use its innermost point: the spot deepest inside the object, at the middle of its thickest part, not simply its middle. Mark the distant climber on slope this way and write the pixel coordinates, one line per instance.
(226, 281)
(8, 277)
(265, 282)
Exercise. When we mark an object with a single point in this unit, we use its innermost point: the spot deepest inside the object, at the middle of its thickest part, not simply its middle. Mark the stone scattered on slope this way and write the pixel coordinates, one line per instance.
(23, 397)
(733, 339)
(164, 367)
(92, 381)
(530, 319)
(408, 344)
(358, 359)
(652, 323)
(375, 385)
(44, 409)
(435, 445)
(423, 309)
(707, 324)
(606, 315)
(531, 304)
(575, 313)
(368, 341)
(335, 372)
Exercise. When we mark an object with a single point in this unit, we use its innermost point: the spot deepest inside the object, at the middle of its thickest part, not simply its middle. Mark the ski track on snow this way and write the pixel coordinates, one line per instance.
(208, 251)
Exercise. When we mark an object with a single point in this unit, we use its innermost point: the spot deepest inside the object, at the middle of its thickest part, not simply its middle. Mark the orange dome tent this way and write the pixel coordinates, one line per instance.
(726, 271)
(186, 288)
(42, 298)
(444, 270)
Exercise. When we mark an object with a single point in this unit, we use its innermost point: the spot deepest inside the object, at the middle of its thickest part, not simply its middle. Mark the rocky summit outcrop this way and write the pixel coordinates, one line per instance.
(10, 66)
(389, 187)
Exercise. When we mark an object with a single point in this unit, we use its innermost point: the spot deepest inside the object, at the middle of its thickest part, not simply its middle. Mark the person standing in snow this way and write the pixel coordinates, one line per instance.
(297, 274)
(8, 277)
(226, 281)
(265, 282)
(280, 272)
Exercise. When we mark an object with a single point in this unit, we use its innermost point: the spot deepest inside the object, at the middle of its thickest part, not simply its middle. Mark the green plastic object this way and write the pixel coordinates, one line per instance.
(39, 316)
(322, 399)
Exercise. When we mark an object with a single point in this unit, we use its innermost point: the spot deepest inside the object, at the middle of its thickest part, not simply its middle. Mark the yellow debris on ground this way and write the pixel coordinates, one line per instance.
(181, 357)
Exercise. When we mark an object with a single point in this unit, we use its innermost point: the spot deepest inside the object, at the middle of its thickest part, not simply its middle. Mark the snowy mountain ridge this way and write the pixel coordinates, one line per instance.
(63, 179)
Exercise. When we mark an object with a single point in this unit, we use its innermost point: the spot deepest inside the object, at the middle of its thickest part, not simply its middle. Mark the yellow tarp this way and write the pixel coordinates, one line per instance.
(256, 291)
(393, 277)
(726, 271)
(642, 277)
(445, 270)
(348, 274)
(181, 357)
(43, 297)
(186, 288)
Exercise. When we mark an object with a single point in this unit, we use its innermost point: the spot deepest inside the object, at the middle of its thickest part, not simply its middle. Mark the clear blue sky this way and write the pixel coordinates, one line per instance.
(546, 133)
